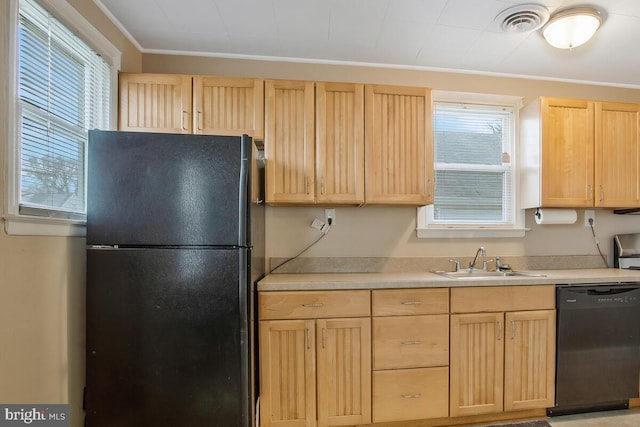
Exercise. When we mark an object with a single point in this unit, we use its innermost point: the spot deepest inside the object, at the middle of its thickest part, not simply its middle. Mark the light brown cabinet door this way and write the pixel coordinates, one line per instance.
(567, 152)
(287, 373)
(529, 360)
(155, 103)
(228, 106)
(398, 145)
(344, 371)
(617, 142)
(477, 363)
(289, 142)
(339, 143)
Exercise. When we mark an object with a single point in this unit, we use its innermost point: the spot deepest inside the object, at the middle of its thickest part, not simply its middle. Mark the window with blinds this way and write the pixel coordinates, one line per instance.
(63, 91)
(474, 173)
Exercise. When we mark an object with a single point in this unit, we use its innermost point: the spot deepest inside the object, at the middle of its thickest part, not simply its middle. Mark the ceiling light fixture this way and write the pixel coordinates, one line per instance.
(571, 28)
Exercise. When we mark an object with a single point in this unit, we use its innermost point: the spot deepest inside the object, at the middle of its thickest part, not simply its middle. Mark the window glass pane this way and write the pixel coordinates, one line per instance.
(33, 69)
(478, 197)
(67, 86)
(63, 90)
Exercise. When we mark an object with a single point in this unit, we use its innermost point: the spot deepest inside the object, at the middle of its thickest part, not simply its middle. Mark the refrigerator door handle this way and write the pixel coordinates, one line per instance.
(243, 193)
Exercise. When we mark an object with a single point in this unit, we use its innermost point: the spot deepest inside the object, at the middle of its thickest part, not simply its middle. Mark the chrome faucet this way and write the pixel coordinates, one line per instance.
(480, 251)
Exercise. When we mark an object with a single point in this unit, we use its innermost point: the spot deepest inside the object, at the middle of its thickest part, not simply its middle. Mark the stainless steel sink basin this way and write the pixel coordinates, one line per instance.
(478, 274)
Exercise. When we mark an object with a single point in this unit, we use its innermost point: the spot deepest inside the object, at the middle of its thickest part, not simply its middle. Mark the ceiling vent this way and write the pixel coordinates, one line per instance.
(522, 18)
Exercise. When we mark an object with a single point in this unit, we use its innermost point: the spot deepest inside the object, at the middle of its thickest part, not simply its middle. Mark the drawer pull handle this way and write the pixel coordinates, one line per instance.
(411, 342)
(315, 304)
(411, 396)
(412, 303)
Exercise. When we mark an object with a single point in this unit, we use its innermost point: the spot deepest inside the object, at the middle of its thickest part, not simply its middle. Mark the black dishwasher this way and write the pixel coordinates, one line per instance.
(598, 347)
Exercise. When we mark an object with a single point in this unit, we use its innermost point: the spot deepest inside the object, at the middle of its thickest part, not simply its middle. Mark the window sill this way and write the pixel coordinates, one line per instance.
(486, 233)
(33, 226)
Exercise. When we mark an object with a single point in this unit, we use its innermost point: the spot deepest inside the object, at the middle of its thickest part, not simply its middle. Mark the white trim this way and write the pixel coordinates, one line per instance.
(482, 231)
(34, 226)
(473, 98)
(14, 223)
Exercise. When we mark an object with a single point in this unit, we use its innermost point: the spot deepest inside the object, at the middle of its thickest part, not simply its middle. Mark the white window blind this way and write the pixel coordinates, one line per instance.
(63, 91)
(473, 165)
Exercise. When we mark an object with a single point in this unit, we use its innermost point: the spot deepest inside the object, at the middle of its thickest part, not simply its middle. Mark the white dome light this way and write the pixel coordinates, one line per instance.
(572, 28)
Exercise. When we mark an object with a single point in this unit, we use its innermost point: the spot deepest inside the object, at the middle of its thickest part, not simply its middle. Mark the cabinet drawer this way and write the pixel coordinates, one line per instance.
(503, 298)
(397, 302)
(410, 341)
(313, 304)
(410, 394)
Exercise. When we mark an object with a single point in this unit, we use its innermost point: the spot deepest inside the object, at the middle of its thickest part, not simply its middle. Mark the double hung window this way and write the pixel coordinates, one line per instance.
(63, 89)
(474, 168)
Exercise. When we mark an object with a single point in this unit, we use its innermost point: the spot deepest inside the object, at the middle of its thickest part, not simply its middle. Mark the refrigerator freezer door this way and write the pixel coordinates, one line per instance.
(147, 189)
(167, 338)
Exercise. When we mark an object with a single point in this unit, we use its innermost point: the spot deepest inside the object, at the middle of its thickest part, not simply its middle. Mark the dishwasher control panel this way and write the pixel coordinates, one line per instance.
(598, 295)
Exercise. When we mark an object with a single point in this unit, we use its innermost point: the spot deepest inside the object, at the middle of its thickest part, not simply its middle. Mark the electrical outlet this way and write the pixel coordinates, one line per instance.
(589, 214)
(317, 224)
(330, 216)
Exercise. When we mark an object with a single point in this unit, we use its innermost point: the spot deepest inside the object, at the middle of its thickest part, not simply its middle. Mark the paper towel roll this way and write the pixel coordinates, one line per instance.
(556, 216)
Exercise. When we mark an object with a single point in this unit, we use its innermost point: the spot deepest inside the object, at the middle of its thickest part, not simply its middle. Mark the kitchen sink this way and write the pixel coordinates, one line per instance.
(478, 274)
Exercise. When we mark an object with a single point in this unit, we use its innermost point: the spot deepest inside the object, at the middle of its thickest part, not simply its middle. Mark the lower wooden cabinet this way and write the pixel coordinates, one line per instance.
(315, 372)
(529, 360)
(502, 361)
(477, 364)
(356, 357)
(287, 373)
(343, 371)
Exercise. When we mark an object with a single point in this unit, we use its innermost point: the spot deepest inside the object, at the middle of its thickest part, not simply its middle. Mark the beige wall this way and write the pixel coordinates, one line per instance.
(390, 231)
(42, 279)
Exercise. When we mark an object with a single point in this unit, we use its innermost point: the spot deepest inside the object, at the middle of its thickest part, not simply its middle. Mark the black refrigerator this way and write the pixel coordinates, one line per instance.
(175, 245)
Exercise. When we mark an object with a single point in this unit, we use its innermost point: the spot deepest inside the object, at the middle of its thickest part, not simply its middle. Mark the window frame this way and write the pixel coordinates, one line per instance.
(16, 223)
(426, 228)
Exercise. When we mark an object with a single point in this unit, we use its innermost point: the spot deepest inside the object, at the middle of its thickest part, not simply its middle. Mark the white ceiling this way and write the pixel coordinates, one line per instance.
(458, 35)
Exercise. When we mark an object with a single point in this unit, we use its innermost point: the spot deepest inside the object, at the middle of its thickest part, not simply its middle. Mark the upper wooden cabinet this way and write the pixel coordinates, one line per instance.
(314, 143)
(289, 142)
(398, 145)
(580, 153)
(228, 106)
(617, 155)
(373, 144)
(339, 143)
(155, 103)
(174, 103)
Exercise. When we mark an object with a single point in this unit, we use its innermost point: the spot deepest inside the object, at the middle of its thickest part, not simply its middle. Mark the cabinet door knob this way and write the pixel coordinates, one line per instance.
(412, 396)
(411, 342)
(314, 304)
(411, 302)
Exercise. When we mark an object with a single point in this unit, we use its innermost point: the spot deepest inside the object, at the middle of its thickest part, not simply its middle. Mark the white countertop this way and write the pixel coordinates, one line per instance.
(335, 281)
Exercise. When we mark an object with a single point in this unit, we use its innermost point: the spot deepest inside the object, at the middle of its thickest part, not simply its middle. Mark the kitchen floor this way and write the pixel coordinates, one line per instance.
(623, 418)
